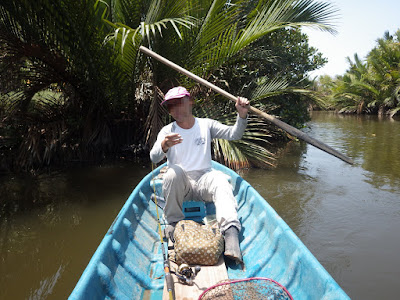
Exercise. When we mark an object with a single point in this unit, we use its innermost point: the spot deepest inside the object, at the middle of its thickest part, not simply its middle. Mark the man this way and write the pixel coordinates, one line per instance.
(187, 145)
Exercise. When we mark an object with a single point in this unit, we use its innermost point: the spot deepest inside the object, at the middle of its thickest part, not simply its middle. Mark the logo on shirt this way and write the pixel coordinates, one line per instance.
(200, 141)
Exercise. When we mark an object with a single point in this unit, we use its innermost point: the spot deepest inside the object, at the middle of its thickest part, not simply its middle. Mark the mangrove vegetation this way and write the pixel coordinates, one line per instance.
(370, 86)
(75, 88)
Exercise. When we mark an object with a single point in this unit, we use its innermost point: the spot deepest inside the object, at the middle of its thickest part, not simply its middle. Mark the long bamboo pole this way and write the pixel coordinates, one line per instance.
(290, 129)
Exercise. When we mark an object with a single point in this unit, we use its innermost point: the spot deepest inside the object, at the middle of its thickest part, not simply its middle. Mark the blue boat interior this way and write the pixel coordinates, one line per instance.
(128, 264)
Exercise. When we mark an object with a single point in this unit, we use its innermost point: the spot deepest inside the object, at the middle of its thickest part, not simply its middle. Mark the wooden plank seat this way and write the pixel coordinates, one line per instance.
(207, 277)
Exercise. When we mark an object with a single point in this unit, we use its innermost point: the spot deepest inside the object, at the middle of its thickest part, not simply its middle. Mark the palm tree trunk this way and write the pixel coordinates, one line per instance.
(360, 107)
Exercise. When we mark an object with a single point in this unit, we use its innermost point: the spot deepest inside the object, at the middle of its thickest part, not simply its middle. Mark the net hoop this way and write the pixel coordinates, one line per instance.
(244, 280)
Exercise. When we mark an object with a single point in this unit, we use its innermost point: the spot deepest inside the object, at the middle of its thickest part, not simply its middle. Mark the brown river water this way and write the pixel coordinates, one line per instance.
(348, 216)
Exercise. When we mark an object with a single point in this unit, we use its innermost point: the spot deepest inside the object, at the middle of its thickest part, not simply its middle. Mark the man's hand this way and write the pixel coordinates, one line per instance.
(242, 106)
(171, 140)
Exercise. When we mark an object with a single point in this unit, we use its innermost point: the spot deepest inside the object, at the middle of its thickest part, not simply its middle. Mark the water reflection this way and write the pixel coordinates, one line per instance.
(50, 226)
(348, 216)
(374, 143)
(47, 285)
(284, 186)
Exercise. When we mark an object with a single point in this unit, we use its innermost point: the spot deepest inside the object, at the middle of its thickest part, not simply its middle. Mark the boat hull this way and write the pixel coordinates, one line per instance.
(128, 263)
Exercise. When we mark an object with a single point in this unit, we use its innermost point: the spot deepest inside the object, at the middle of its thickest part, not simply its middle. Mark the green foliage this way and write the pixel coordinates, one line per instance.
(77, 88)
(282, 68)
(58, 46)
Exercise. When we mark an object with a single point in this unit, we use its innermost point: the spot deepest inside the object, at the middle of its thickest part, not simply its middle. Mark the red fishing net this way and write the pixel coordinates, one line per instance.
(256, 288)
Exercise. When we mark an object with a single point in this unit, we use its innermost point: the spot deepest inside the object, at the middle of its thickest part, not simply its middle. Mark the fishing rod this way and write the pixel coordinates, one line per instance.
(168, 277)
(290, 129)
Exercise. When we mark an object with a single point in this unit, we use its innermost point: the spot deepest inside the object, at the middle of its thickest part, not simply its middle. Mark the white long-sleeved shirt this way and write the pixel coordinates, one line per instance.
(194, 153)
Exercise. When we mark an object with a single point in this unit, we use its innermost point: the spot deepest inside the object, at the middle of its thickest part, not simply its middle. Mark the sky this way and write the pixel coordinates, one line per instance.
(359, 24)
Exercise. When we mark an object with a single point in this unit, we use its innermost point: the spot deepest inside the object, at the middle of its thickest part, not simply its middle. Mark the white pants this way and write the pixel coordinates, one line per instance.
(206, 185)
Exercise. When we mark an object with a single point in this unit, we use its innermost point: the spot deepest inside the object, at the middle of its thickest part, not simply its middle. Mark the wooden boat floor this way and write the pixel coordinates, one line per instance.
(207, 277)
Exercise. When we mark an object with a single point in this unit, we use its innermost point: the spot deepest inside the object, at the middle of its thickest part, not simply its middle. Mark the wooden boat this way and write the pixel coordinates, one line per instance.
(128, 263)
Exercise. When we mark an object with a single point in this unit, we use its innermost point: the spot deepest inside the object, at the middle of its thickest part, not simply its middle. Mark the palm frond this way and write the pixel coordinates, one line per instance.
(269, 87)
(251, 150)
(216, 28)
(58, 44)
(312, 95)
(158, 16)
(229, 37)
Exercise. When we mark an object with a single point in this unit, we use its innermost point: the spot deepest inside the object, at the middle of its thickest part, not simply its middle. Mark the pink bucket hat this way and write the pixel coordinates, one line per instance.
(176, 93)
